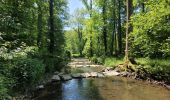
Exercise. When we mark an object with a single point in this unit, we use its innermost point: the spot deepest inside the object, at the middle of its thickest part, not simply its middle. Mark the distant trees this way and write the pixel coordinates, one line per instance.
(135, 26)
(77, 23)
(89, 7)
(102, 27)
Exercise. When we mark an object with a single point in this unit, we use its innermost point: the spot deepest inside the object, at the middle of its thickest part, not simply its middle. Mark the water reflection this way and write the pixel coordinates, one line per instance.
(114, 88)
(83, 89)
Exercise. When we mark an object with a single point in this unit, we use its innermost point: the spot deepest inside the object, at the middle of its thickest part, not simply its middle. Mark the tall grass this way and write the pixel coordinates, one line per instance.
(112, 62)
(153, 62)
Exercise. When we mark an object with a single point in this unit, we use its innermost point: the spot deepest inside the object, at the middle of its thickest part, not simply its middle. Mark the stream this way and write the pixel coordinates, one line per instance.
(114, 88)
(108, 88)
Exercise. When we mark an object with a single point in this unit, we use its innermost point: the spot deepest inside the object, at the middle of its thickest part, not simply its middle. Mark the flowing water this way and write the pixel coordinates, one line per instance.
(113, 88)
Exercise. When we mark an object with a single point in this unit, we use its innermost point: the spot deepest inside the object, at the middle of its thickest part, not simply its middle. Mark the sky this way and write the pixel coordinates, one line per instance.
(73, 5)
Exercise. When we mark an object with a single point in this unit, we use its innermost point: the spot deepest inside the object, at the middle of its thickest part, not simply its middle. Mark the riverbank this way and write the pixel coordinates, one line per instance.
(85, 69)
(84, 75)
(155, 71)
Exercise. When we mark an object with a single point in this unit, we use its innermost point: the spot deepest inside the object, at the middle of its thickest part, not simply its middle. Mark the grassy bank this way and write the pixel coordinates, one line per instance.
(157, 69)
(112, 62)
(153, 62)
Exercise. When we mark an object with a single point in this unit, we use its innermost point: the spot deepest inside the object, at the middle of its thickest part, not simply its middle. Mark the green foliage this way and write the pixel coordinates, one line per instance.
(71, 41)
(5, 81)
(24, 41)
(86, 50)
(98, 60)
(158, 69)
(53, 63)
(75, 55)
(94, 59)
(150, 36)
(160, 73)
(153, 62)
(27, 71)
(18, 22)
(112, 62)
(68, 55)
(90, 22)
(3, 87)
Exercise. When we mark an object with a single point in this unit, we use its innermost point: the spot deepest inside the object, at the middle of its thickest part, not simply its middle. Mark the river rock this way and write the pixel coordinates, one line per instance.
(85, 75)
(56, 73)
(77, 75)
(168, 87)
(61, 73)
(107, 69)
(93, 74)
(111, 73)
(66, 77)
(40, 87)
(55, 78)
(100, 75)
(125, 74)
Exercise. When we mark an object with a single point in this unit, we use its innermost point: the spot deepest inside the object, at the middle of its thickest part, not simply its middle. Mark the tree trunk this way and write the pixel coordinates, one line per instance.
(51, 26)
(143, 6)
(91, 31)
(119, 28)
(80, 40)
(104, 27)
(39, 26)
(128, 25)
(113, 31)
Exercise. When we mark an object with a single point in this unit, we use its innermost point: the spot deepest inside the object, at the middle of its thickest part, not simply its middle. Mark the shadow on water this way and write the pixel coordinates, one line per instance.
(75, 89)
(51, 92)
(115, 88)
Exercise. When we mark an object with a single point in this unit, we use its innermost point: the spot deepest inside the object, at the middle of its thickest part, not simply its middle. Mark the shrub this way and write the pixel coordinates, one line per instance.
(101, 60)
(68, 55)
(53, 63)
(4, 89)
(94, 59)
(159, 69)
(27, 71)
